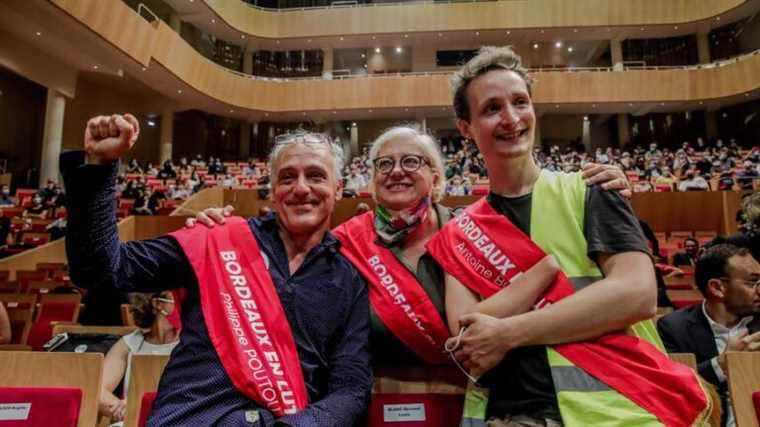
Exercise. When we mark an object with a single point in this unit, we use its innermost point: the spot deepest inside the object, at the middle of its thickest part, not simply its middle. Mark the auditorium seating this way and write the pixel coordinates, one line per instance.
(75, 328)
(143, 378)
(53, 308)
(743, 382)
(52, 379)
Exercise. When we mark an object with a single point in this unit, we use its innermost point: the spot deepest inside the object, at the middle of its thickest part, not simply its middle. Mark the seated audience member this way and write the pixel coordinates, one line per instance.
(689, 254)
(229, 181)
(361, 208)
(37, 209)
(729, 278)
(283, 269)
(5, 326)
(141, 203)
(726, 181)
(5, 196)
(167, 171)
(57, 228)
(130, 191)
(693, 182)
(747, 175)
(158, 335)
(749, 237)
(134, 167)
(156, 201)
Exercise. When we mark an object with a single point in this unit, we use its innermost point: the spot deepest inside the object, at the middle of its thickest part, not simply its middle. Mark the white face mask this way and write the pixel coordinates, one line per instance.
(452, 348)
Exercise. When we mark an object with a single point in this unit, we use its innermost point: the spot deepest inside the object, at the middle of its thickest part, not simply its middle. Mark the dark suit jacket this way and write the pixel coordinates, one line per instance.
(688, 331)
(682, 258)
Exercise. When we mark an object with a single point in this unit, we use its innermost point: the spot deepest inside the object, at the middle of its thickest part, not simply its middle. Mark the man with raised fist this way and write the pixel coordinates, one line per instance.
(274, 318)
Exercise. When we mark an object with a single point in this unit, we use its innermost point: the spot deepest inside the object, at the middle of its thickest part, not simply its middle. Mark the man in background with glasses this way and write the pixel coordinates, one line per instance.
(275, 320)
(728, 319)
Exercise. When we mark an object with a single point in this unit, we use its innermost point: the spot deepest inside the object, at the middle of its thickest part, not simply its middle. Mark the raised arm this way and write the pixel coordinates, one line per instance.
(95, 254)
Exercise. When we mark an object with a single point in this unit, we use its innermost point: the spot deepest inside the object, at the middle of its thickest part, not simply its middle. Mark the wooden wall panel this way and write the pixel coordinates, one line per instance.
(464, 16)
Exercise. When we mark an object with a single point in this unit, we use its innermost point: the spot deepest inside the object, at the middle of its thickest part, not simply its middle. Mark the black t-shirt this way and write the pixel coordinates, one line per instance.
(522, 383)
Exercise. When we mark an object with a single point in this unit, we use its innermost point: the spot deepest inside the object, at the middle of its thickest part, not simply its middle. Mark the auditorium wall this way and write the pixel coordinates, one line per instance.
(22, 119)
(103, 94)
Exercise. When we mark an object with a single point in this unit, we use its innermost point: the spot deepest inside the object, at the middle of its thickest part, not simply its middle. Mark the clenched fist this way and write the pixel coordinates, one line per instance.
(108, 137)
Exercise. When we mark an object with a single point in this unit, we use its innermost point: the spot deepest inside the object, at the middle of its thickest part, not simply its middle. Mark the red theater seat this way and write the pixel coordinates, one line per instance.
(145, 406)
(41, 405)
(53, 308)
(756, 402)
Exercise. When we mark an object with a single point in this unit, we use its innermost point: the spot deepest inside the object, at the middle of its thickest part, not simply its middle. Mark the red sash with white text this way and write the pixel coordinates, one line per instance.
(395, 294)
(486, 252)
(244, 317)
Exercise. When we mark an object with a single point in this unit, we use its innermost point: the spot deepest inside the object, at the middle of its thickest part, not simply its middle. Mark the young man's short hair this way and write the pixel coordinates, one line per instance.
(713, 264)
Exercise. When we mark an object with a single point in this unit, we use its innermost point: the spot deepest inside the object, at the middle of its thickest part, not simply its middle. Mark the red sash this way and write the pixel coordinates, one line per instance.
(395, 294)
(485, 252)
(244, 317)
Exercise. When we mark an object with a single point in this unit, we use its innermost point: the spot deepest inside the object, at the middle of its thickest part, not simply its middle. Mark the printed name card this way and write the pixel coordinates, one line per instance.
(14, 411)
(404, 412)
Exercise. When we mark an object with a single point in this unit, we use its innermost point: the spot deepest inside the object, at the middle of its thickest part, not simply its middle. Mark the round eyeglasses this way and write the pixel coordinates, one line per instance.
(408, 163)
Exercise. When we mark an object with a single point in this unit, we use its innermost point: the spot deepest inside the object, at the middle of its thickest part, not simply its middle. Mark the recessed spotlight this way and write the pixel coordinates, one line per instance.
(675, 27)
(377, 50)
(364, 56)
(179, 90)
(542, 31)
(630, 104)
(406, 36)
(399, 49)
(144, 69)
(335, 112)
(278, 42)
(370, 111)
(341, 39)
(151, 123)
(608, 29)
(535, 45)
(585, 118)
(508, 32)
(440, 34)
(95, 67)
(242, 36)
(304, 113)
(406, 109)
(213, 21)
(593, 105)
(232, 111)
(558, 44)
(308, 41)
(575, 30)
(642, 28)
(477, 33)
(365, 65)
(373, 37)
(570, 49)
(39, 33)
(192, 1)
(717, 18)
(662, 104)
(556, 106)
(746, 94)
(701, 103)
(353, 123)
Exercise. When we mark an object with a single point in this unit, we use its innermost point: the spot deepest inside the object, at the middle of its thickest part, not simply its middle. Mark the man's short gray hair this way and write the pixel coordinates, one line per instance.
(335, 150)
(429, 147)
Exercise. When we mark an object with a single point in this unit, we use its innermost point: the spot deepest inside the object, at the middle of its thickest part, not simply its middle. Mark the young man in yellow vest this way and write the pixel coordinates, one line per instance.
(565, 361)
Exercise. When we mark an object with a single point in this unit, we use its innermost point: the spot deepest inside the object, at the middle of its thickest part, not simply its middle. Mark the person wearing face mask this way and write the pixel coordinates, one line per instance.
(37, 209)
(159, 330)
(5, 196)
(275, 320)
(566, 361)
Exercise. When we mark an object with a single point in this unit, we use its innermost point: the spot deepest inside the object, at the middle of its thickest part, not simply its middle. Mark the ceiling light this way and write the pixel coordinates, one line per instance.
(377, 50)
(334, 112)
(585, 118)
(151, 123)
(95, 67)
(266, 114)
(700, 102)
(353, 123)
(373, 37)
(508, 32)
(213, 21)
(440, 34)
(39, 33)
(570, 49)
(341, 39)
(477, 33)
(370, 111)
(179, 91)
(308, 41)
(406, 36)
(608, 29)
(399, 49)
(593, 105)
(630, 104)
(542, 31)
(232, 111)
(242, 36)
(304, 113)
(662, 103)
(675, 27)
(365, 65)
(406, 109)
(535, 45)
(717, 18)
(558, 44)
(642, 28)
(364, 56)
(144, 69)
(575, 30)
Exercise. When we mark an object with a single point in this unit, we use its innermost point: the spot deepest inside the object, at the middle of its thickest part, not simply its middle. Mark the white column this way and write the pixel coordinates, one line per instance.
(248, 60)
(586, 134)
(52, 137)
(616, 50)
(423, 124)
(354, 141)
(167, 135)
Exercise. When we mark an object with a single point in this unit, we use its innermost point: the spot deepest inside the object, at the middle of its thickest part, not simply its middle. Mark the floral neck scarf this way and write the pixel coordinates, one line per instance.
(394, 229)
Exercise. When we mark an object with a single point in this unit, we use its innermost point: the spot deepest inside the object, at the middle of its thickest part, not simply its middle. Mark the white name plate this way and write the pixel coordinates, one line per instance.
(404, 412)
(14, 411)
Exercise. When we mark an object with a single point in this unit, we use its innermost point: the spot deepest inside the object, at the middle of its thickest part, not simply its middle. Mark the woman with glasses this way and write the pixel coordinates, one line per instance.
(158, 334)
